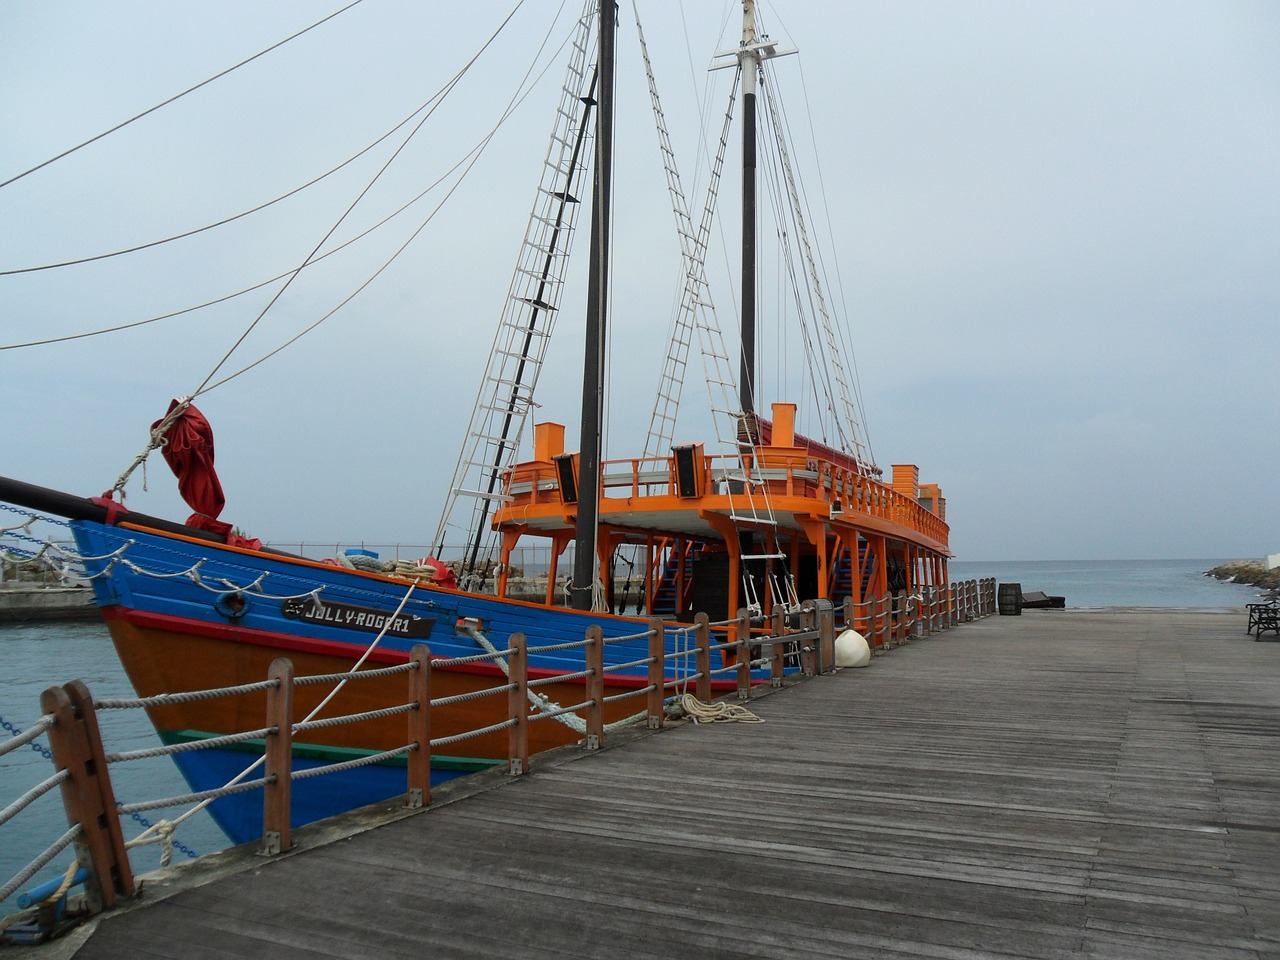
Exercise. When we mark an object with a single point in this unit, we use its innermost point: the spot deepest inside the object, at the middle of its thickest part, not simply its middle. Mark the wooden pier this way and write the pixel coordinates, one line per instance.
(1059, 784)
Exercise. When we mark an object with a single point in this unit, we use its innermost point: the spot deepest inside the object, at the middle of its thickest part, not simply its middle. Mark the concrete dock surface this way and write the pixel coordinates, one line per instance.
(1060, 784)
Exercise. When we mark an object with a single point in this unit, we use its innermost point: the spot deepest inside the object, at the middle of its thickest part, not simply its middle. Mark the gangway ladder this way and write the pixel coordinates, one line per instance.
(505, 396)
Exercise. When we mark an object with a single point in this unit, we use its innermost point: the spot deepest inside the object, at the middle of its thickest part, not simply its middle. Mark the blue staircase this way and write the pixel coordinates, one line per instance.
(665, 601)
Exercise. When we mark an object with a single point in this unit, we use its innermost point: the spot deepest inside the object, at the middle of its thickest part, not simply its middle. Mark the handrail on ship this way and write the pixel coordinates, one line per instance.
(786, 475)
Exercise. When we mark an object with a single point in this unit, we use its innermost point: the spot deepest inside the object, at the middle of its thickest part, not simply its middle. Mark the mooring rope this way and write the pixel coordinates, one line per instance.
(545, 704)
(719, 712)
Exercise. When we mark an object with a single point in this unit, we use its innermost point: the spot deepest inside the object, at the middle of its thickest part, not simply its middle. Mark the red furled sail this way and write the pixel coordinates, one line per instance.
(188, 450)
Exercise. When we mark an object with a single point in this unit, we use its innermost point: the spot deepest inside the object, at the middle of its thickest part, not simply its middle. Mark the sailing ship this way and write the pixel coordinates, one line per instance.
(755, 518)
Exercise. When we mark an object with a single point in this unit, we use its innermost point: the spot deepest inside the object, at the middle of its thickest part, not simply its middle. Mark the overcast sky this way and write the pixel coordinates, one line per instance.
(1057, 228)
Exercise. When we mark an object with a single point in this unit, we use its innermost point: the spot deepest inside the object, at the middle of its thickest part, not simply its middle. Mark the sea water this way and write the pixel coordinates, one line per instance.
(1115, 583)
(36, 656)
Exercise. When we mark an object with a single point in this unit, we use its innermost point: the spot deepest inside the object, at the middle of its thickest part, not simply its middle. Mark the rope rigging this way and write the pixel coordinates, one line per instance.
(177, 96)
(252, 210)
(471, 155)
(157, 435)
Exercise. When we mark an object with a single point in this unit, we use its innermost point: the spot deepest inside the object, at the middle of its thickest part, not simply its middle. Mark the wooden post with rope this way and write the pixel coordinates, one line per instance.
(518, 706)
(702, 662)
(277, 795)
(594, 656)
(779, 650)
(743, 635)
(808, 647)
(826, 634)
(418, 793)
(890, 619)
(87, 794)
(657, 674)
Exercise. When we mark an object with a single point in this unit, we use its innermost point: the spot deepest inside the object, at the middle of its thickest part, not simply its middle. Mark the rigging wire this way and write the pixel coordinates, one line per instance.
(234, 217)
(478, 147)
(774, 177)
(475, 150)
(474, 158)
(842, 347)
(178, 96)
(158, 432)
(842, 328)
(845, 342)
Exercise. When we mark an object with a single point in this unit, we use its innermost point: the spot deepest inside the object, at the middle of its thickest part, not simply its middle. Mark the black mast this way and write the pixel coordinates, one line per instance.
(585, 529)
(747, 379)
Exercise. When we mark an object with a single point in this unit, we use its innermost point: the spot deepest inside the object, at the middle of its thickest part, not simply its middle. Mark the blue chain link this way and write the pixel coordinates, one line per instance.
(39, 516)
(35, 745)
(44, 751)
(174, 840)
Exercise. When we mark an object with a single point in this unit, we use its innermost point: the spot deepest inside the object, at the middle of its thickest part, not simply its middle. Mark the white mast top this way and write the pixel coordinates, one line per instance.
(752, 51)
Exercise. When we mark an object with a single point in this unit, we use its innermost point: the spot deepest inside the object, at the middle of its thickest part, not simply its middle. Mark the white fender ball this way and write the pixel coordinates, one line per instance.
(852, 650)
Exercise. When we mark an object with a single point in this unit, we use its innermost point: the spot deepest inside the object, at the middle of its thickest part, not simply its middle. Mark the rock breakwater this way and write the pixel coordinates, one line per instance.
(1247, 571)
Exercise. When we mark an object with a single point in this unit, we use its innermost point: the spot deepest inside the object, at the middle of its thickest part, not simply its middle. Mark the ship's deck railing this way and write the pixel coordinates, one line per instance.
(848, 492)
(803, 638)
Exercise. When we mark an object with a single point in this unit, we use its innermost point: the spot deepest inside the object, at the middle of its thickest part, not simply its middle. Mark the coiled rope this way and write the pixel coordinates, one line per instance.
(719, 712)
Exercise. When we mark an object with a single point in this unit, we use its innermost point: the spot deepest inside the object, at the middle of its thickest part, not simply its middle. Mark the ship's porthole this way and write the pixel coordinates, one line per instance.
(231, 605)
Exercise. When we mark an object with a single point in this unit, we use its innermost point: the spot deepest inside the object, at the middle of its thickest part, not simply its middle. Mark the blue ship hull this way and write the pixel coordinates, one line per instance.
(186, 614)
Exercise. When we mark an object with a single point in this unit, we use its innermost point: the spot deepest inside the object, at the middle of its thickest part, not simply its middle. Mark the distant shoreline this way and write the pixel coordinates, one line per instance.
(1252, 572)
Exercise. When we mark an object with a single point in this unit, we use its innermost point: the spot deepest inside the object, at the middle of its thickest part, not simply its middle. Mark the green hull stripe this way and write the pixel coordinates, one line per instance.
(313, 751)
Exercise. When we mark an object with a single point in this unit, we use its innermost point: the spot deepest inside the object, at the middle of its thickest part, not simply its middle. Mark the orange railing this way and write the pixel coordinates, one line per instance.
(855, 493)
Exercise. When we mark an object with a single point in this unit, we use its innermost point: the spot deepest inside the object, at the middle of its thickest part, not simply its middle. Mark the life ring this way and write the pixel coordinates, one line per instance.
(231, 605)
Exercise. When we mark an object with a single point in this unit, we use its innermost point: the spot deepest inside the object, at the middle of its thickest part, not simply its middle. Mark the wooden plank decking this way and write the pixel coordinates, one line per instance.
(1060, 784)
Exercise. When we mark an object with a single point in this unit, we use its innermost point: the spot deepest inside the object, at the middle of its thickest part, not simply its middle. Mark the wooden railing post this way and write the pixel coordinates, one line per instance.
(826, 611)
(742, 634)
(778, 651)
(418, 793)
(277, 796)
(518, 706)
(872, 632)
(657, 674)
(702, 662)
(595, 687)
(808, 648)
(87, 794)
